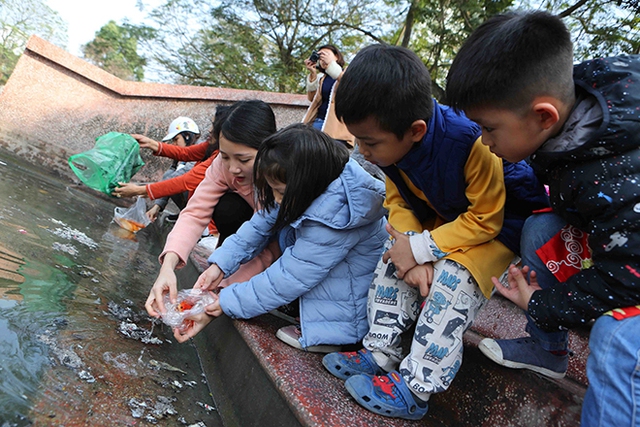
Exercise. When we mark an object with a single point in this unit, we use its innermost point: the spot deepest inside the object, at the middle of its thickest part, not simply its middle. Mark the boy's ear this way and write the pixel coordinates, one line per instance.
(418, 129)
(547, 114)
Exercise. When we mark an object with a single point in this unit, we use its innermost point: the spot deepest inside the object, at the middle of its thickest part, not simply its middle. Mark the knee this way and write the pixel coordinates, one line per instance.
(538, 229)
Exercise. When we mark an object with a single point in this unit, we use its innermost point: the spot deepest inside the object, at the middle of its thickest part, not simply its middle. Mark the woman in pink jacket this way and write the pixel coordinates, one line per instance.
(226, 194)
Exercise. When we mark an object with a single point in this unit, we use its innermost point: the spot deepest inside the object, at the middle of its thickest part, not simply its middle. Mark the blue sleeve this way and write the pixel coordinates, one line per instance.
(250, 239)
(316, 251)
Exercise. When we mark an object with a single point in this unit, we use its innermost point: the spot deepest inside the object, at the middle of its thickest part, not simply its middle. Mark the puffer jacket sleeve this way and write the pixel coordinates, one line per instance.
(250, 239)
(317, 250)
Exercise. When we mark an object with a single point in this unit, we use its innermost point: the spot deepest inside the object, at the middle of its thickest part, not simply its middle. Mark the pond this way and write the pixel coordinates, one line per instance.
(76, 345)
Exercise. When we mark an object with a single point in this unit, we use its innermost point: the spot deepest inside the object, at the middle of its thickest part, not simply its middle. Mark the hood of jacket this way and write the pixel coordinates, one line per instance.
(350, 201)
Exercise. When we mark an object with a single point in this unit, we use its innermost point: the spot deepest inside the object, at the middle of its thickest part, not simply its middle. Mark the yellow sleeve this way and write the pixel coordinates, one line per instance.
(401, 216)
(486, 193)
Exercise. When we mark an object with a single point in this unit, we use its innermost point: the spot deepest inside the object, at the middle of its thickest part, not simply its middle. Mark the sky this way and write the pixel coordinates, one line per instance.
(84, 17)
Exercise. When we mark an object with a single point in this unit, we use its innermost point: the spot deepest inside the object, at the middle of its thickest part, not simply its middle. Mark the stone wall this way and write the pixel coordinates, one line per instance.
(55, 105)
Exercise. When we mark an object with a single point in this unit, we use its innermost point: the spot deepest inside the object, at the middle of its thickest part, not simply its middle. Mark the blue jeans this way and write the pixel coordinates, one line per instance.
(613, 369)
(538, 230)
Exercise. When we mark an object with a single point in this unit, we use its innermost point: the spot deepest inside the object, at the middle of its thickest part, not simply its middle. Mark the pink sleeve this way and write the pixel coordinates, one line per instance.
(197, 214)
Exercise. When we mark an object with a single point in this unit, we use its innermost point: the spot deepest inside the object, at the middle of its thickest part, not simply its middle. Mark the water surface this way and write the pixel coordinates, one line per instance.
(76, 346)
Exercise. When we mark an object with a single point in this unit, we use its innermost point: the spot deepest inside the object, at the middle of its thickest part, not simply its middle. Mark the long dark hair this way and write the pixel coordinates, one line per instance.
(306, 160)
(249, 123)
(222, 112)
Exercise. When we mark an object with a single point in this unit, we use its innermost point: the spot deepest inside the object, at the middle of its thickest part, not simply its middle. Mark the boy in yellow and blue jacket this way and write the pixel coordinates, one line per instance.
(463, 208)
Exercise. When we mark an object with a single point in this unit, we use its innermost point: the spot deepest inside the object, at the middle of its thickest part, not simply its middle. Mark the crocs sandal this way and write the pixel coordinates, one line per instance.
(345, 365)
(386, 395)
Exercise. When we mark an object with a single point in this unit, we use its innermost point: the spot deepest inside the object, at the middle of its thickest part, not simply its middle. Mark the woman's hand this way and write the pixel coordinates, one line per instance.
(326, 58)
(519, 290)
(420, 276)
(209, 279)
(311, 67)
(146, 142)
(153, 212)
(166, 282)
(128, 189)
(400, 253)
(196, 323)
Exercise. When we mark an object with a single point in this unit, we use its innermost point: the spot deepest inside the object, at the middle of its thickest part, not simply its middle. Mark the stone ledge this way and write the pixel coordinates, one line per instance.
(483, 393)
(59, 56)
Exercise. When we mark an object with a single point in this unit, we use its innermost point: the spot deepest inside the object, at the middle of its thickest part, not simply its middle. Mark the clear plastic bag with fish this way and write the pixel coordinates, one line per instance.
(188, 303)
(133, 218)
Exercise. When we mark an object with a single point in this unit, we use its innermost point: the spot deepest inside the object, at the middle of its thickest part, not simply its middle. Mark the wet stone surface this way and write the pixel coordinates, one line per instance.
(76, 345)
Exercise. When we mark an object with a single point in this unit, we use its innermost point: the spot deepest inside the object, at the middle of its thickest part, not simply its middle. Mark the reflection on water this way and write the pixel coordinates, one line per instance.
(76, 346)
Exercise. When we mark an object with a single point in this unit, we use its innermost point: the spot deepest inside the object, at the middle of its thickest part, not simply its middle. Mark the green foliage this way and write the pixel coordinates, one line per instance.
(601, 27)
(19, 20)
(440, 28)
(260, 44)
(115, 49)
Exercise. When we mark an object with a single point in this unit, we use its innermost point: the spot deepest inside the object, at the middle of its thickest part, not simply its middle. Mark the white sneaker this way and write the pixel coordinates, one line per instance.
(291, 335)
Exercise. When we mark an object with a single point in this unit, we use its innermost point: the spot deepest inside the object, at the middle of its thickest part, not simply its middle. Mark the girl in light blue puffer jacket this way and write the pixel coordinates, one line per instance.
(326, 213)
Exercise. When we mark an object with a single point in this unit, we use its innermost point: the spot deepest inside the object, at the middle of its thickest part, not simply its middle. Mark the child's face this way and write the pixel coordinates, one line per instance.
(238, 159)
(179, 140)
(509, 135)
(277, 188)
(379, 146)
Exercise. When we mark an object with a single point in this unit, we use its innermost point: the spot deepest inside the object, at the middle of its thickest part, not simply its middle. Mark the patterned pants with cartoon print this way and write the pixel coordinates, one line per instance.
(447, 312)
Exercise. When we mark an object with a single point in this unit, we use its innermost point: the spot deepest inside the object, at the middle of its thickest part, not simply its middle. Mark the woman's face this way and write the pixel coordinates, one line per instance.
(238, 159)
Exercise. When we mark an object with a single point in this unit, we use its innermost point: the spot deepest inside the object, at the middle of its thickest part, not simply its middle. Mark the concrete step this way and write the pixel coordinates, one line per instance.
(258, 380)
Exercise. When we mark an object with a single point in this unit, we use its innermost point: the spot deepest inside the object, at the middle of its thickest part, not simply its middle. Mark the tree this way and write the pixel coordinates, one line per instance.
(435, 29)
(19, 20)
(601, 28)
(260, 44)
(115, 49)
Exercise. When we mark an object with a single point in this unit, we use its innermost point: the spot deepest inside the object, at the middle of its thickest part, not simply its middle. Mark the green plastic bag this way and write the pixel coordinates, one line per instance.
(115, 158)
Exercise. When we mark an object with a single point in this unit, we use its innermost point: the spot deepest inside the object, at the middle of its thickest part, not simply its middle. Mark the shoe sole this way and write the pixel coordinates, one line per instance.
(312, 349)
(284, 316)
(492, 354)
(370, 405)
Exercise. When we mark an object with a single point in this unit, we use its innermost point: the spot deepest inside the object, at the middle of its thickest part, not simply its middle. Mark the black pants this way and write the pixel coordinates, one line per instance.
(229, 214)
(181, 199)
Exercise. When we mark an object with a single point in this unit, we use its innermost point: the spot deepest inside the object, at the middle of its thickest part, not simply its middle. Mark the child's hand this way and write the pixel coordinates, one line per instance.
(420, 276)
(166, 282)
(198, 322)
(146, 142)
(127, 189)
(210, 278)
(519, 290)
(153, 212)
(214, 309)
(400, 253)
